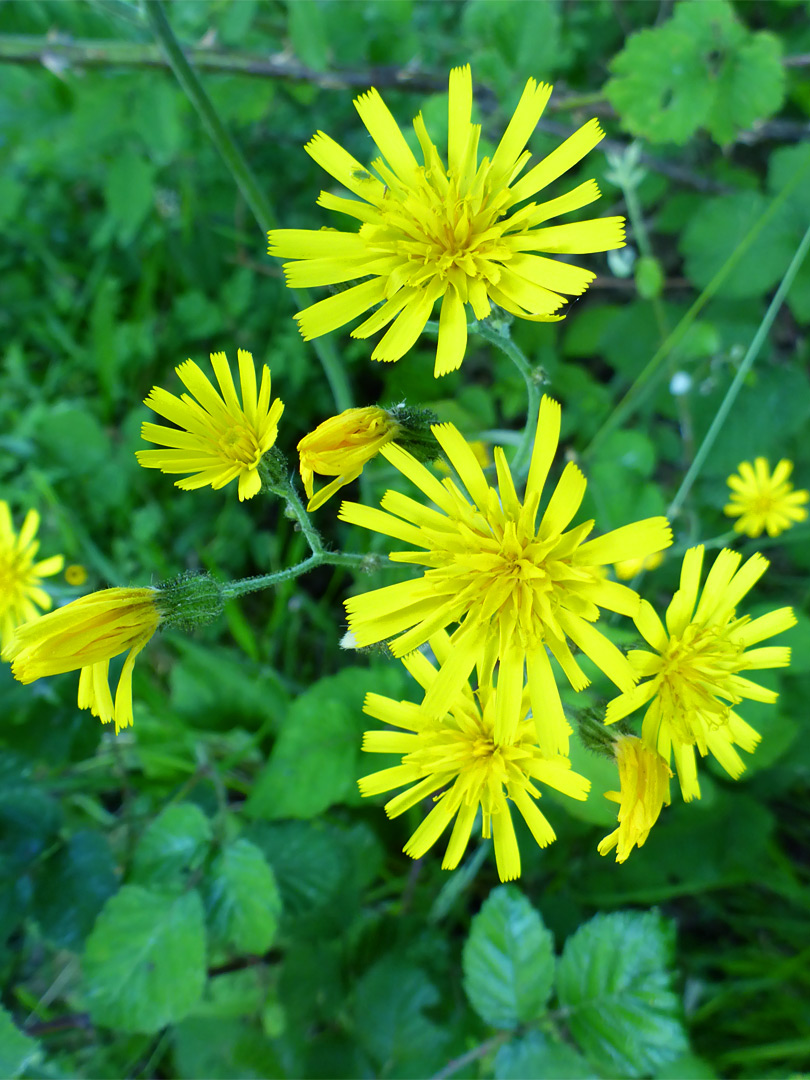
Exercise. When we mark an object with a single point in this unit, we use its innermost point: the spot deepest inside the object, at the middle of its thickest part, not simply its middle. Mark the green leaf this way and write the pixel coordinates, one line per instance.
(17, 1051)
(173, 846)
(538, 1057)
(716, 229)
(614, 980)
(72, 887)
(307, 31)
(701, 68)
(649, 277)
(29, 816)
(129, 191)
(144, 962)
(389, 1004)
(243, 899)
(223, 1049)
(317, 758)
(508, 960)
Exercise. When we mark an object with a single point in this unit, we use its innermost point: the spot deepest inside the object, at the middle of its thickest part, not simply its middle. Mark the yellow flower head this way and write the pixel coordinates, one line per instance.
(459, 754)
(516, 587)
(86, 634)
(75, 574)
(628, 568)
(644, 780)
(692, 676)
(341, 446)
(217, 439)
(764, 501)
(20, 591)
(445, 229)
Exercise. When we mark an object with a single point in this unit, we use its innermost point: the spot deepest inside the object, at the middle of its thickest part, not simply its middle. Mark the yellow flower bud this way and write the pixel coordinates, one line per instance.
(644, 779)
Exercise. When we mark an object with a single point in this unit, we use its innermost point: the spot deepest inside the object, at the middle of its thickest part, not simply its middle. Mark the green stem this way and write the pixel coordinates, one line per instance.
(234, 589)
(502, 339)
(634, 397)
(243, 176)
(731, 394)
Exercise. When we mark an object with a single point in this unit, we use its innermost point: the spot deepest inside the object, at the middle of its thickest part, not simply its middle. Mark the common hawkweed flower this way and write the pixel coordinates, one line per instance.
(515, 587)
(644, 781)
(764, 501)
(85, 635)
(692, 677)
(445, 229)
(341, 446)
(217, 438)
(459, 756)
(22, 597)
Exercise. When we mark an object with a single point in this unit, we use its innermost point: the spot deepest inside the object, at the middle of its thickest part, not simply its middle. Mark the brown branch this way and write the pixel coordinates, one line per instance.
(477, 1052)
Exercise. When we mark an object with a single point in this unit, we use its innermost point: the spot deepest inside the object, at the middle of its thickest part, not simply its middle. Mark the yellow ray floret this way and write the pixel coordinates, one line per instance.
(518, 582)
(458, 757)
(217, 438)
(340, 447)
(692, 678)
(448, 231)
(764, 501)
(644, 781)
(85, 635)
(22, 597)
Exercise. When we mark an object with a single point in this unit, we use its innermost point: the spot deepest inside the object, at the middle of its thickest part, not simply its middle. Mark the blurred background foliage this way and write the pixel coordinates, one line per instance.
(205, 895)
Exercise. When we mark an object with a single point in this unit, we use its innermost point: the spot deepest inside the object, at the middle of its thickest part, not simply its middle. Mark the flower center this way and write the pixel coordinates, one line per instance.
(13, 573)
(239, 444)
(695, 673)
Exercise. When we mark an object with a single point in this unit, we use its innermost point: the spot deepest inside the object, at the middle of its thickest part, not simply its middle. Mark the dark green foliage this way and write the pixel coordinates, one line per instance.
(208, 894)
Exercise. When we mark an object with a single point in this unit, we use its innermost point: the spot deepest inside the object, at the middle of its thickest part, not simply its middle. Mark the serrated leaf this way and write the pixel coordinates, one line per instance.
(538, 1057)
(72, 887)
(614, 980)
(701, 68)
(144, 962)
(317, 757)
(508, 960)
(173, 846)
(17, 1051)
(243, 899)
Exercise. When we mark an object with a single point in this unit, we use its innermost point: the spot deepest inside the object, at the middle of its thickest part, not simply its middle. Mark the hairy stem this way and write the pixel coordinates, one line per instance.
(532, 377)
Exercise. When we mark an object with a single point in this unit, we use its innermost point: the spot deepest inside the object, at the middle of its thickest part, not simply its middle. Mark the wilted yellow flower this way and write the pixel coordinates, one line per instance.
(628, 568)
(692, 677)
(459, 754)
(515, 587)
(86, 634)
(764, 501)
(21, 593)
(445, 230)
(341, 446)
(644, 780)
(217, 438)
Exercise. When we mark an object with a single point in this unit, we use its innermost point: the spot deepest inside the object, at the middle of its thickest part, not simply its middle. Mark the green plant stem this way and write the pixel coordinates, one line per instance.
(636, 394)
(241, 587)
(726, 404)
(502, 339)
(243, 176)
(475, 1054)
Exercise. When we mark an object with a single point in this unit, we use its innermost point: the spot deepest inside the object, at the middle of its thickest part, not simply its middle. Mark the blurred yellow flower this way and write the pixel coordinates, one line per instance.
(86, 634)
(341, 446)
(764, 501)
(692, 677)
(479, 449)
(516, 587)
(75, 574)
(459, 757)
(628, 568)
(217, 439)
(644, 780)
(21, 594)
(446, 229)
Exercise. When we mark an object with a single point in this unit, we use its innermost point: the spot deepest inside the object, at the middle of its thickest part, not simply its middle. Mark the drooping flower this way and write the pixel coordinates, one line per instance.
(764, 501)
(515, 587)
(460, 754)
(445, 230)
(341, 446)
(217, 438)
(692, 678)
(628, 568)
(21, 592)
(86, 634)
(644, 781)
